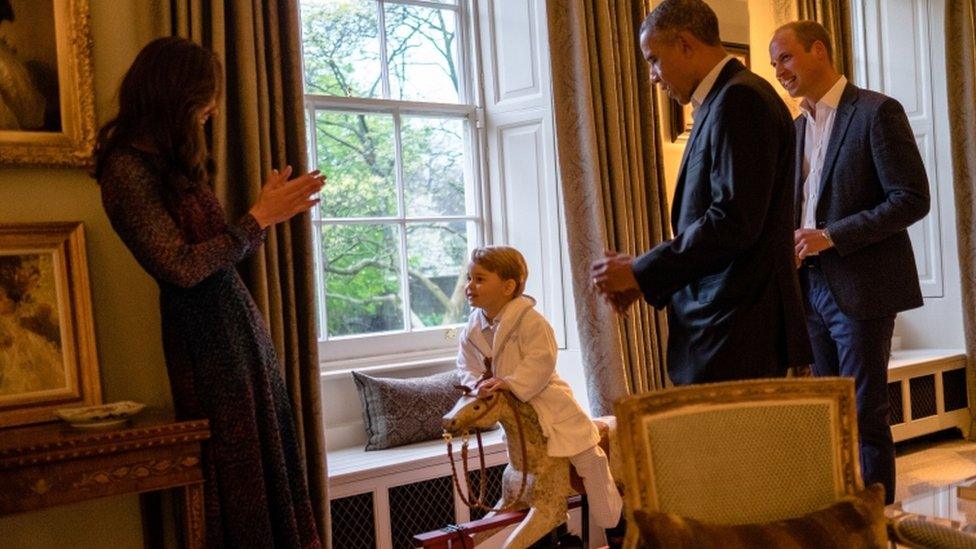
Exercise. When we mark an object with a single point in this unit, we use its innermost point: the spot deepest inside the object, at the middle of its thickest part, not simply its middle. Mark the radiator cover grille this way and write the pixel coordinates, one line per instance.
(954, 389)
(353, 522)
(922, 391)
(896, 414)
(420, 507)
(493, 491)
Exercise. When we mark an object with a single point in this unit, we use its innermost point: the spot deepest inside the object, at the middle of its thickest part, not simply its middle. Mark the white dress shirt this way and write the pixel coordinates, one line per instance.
(820, 123)
(489, 327)
(701, 92)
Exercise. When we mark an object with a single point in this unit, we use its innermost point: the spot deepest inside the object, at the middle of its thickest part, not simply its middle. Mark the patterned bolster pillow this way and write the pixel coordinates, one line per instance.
(855, 521)
(402, 411)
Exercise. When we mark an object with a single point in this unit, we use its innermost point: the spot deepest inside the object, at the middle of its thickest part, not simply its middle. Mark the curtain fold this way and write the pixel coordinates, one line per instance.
(960, 40)
(612, 182)
(262, 125)
(835, 16)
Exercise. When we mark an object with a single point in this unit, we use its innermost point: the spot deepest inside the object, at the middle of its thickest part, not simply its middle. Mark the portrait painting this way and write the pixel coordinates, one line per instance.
(681, 121)
(29, 99)
(47, 353)
(32, 358)
(46, 89)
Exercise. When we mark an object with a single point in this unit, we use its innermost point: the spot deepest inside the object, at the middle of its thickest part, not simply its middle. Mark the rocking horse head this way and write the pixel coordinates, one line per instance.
(473, 413)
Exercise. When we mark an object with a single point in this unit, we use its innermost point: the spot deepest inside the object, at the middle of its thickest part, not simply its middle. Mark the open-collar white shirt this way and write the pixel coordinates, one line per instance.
(705, 86)
(701, 93)
(820, 124)
(487, 327)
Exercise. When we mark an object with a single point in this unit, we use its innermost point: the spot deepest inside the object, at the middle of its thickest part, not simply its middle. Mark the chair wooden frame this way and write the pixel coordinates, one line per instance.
(634, 412)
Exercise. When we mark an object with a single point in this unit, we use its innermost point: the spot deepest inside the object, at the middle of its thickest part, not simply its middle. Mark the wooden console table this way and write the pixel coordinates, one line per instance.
(53, 464)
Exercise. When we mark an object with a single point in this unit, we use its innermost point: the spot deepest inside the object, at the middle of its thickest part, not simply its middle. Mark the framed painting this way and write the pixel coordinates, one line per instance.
(47, 113)
(680, 120)
(47, 336)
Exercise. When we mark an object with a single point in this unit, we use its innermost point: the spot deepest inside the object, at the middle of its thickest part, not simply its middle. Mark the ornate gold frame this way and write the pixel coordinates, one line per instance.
(74, 144)
(65, 242)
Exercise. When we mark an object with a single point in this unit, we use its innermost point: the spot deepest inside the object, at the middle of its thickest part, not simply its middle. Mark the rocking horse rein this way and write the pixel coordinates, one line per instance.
(479, 502)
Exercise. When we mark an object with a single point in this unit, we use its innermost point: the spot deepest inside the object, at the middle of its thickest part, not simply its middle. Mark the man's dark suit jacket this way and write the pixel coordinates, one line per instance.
(728, 277)
(873, 186)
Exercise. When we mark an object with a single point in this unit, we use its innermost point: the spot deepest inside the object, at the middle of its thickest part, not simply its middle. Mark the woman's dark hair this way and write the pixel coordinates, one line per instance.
(166, 86)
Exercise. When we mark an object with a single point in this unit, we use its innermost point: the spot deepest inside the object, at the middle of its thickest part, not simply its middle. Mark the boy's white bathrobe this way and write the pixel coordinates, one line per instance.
(523, 353)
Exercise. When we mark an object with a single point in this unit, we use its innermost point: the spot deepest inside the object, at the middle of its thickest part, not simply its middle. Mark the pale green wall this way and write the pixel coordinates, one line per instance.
(124, 297)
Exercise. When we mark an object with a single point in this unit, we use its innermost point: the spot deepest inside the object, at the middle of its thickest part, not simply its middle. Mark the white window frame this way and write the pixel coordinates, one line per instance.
(410, 346)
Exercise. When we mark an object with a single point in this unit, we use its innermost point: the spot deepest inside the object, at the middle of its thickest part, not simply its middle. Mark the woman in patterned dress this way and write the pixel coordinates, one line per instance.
(155, 173)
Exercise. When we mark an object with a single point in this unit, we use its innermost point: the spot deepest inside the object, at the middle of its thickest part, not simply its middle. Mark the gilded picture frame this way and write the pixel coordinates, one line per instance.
(679, 116)
(47, 112)
(47, 336)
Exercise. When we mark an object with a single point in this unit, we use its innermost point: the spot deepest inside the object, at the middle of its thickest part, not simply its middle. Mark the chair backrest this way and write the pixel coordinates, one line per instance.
(740, 452)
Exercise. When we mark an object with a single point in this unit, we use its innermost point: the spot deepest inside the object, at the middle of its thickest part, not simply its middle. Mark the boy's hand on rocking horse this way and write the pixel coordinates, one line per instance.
(491, 385)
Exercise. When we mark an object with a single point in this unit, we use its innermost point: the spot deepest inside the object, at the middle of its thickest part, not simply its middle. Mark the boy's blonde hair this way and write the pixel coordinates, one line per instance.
(504, 261)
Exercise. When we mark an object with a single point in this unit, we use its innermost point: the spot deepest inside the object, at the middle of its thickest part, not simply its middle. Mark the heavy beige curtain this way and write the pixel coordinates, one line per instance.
(261, 125)
(835, 15)
(613, 188)
(960, 41)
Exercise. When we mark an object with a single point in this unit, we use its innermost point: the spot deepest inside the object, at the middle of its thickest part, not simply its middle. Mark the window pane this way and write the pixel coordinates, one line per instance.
(341, 48)
(437, 259)
(433, 165)
(355, 151)
(422, 52)
(361, 267)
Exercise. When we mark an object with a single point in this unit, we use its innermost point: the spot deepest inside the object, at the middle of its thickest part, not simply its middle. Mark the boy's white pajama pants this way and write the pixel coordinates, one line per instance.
(601, 493)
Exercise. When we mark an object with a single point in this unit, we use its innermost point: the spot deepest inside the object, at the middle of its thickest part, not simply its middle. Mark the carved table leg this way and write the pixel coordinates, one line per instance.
(192, 521)
(151, 506)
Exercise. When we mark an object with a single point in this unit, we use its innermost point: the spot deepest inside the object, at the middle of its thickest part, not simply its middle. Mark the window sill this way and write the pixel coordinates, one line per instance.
(922, 358)
(404, 362)
(355, 464)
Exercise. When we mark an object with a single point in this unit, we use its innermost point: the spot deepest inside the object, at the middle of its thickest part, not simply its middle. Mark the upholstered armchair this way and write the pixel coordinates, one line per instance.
(746, 452)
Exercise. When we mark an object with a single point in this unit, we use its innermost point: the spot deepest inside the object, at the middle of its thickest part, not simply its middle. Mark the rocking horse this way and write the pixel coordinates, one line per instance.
(532, 480)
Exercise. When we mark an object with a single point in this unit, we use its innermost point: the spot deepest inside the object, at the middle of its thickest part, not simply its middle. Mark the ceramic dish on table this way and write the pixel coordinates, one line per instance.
(100, 416)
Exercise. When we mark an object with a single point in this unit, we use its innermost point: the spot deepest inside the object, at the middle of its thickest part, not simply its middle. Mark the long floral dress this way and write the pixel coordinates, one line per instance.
(219, 356)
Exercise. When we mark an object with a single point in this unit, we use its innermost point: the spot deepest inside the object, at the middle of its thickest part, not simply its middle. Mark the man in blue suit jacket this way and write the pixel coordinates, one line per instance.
(860, 183)
(727, 276)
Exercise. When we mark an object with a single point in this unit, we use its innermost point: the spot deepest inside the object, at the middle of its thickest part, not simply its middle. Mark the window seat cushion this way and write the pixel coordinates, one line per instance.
(403, 411)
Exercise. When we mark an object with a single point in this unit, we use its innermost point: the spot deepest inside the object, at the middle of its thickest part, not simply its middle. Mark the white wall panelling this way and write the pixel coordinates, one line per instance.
(525, 205)
(515, 54)
(899, 50)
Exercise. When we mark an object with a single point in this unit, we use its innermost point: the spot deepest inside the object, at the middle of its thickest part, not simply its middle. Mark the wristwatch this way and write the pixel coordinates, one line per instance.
(826, 235)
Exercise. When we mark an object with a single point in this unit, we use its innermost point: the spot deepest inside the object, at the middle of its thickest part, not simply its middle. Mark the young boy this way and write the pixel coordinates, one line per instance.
(505, 328)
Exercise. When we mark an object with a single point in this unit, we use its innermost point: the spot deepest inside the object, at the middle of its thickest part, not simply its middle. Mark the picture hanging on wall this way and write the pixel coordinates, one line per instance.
(47, 336)
(47, 113)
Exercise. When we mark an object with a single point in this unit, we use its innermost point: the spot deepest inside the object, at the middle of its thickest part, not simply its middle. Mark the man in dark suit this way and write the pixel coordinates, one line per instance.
(859, 184)
(727, 276)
